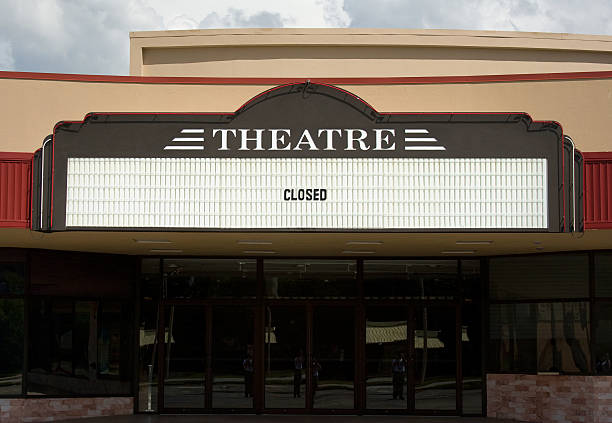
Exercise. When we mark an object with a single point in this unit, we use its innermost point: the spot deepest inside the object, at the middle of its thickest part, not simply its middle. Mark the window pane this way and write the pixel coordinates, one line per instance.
(12, 278)
(603, 275)
(185, 361)
(63, 344)
(471, 281)
(285, 357)
(310, 278)
(435, 349)
(539, 276)
(150, 286)
(332, 365)
(204, 278)
(233, 358)
(410, 278)
(386, 357)
(11, 346)
(512, 338)
(603, 338)
(543, 337)
(471, 342)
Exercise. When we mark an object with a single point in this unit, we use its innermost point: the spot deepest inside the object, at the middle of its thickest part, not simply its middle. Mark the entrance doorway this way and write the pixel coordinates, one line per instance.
(320, 337)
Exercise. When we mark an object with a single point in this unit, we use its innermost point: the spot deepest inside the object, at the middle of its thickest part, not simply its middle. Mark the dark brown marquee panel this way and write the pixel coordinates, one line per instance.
(308, 123)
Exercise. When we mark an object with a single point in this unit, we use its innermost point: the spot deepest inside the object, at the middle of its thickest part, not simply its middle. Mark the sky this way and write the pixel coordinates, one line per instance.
(92, 36)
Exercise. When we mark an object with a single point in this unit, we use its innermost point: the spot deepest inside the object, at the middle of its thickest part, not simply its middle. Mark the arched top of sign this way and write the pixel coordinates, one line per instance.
(313, 93)
(304, 142)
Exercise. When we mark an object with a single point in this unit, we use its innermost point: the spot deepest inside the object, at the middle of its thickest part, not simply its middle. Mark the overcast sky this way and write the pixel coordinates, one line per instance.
(91, 36)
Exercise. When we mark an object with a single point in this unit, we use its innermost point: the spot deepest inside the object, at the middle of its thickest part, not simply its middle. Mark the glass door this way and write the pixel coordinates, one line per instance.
(285, 362)
(185, 364)
(435, 358)
(207, 358)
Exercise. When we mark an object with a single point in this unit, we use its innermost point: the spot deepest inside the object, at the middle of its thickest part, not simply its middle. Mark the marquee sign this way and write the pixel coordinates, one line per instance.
(306, 157)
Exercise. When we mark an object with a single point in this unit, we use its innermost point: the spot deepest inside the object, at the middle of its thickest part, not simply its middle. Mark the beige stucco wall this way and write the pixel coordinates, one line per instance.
(315, 53)
(583, 107)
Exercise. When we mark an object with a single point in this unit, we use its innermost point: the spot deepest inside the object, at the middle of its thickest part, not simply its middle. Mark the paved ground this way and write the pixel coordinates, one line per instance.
(141, 418)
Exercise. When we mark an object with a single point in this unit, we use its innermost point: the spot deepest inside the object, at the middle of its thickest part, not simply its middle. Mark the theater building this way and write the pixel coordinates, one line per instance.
(311, 222)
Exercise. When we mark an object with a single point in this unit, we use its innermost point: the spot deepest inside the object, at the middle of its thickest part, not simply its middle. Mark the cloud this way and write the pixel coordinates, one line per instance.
(91, 36)
(238, 19)
(594, 17)
(73, 36)
(7, 62)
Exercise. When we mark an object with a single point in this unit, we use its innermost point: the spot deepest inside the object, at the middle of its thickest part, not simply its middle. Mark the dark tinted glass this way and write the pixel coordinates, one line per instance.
(205, 278)
(233, 358)
(543, 337)
(436, 279)
(75, 347)
(471, 280)
(12, 278)
(512, 338)
(471, 344)
(185, 361)
(603, 274)
(150, 285)
(285, 357)
(386, 358)
(11, 346)
(603, 338)
(310, 278)
(539, 277)
(435, 369)
(332, 364)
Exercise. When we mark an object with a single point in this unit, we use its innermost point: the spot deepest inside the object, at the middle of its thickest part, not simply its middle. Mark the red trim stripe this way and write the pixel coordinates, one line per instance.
(400, 80)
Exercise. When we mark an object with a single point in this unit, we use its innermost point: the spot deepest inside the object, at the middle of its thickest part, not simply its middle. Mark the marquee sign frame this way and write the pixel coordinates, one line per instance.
(312, 125)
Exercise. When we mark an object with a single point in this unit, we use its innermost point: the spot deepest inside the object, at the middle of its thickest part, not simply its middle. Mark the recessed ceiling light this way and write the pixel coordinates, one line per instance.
(155, 250)
(539, 248)
(358, 252)
(364, 242)
(259, 252)
(255, 242)
(473, 242)
(152, 241)
(458, 252)
(537, 242)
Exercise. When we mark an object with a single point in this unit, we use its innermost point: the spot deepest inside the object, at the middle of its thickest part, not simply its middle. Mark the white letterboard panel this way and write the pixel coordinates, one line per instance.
(256, 193)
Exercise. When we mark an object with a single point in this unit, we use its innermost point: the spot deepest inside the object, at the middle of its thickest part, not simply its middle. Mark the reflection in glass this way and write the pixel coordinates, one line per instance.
(333, 367)
(386, 358)
(310, 278)
(64, 341)
(603, 274)
(435, 279)
(285, 360)
(185, 357)
(233, 358)
(563, 337)
(471, 357)
(436, 362)
(512, 338)
(540, 276)
(11, 346)
(205, 278)
(603, 338)
(12, 278)
(150, 285)
(543, 337)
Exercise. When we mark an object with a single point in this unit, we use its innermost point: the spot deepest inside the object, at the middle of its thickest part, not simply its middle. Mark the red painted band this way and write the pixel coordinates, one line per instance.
(400, 80)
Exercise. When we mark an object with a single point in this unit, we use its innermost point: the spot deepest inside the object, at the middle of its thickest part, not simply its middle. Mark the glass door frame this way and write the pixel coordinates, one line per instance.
(359, 303)
(208, 306)
(410, 309)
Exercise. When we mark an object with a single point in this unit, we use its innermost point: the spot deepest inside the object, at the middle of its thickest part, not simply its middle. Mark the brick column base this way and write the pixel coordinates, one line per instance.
(534, 398)
(17, 410)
